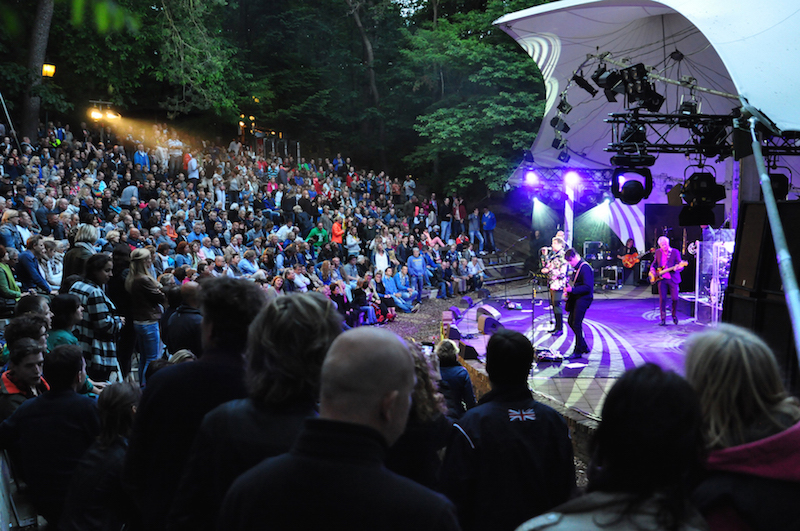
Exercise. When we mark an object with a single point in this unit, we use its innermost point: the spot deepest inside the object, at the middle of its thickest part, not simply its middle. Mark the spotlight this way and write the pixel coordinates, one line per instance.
(639, 89)
(635, 160)
(558, 123)
(700, 193)
(608, 197)
(686, 110)
(564, 156)
(631, 185)
(558, 142)
(531, 178)
(634, 133)
(701, 189)
(610, 81)
(527, 158)
(572, 178)
(585, 85)
(564, 106)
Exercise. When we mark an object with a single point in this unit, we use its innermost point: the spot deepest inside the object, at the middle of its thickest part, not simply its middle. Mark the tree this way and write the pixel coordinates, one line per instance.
(486, 98)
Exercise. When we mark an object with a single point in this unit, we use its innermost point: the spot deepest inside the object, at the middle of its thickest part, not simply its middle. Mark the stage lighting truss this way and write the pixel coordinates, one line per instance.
(554, 177)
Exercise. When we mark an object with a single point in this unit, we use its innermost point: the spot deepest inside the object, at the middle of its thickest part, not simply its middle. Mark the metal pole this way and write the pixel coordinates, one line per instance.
(12, 131)
(790, 288)
(298, 152)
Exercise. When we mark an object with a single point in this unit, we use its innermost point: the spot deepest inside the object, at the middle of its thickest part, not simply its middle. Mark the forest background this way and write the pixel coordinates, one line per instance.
(426, 87)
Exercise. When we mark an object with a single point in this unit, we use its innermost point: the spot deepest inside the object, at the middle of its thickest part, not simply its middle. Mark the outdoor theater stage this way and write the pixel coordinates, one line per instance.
(621, 329)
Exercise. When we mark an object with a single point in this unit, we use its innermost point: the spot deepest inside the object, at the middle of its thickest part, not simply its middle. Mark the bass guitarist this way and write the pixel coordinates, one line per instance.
(669, 283)
(581, 293)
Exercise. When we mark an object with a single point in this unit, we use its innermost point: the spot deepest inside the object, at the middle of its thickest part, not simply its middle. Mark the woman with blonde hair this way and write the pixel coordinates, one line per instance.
(751, 431)
(75, 259)
(147, 301)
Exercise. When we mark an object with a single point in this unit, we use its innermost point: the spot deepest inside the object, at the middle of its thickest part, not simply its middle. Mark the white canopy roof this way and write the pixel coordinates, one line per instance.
(742, 47)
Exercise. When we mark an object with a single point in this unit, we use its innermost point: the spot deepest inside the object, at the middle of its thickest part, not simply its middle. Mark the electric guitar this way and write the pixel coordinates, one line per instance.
(661, 272)
(630, 260)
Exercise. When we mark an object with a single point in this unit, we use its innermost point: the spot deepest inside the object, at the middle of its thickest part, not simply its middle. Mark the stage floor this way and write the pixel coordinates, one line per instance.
(621, 329)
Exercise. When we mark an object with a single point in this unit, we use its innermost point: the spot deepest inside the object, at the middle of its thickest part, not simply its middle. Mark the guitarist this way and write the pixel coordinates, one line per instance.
(581, 294)
(632, 255)
(555, 267)
(669, 285)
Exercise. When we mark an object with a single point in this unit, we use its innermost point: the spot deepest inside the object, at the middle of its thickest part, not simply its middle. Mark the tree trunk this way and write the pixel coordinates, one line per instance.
(40, 35)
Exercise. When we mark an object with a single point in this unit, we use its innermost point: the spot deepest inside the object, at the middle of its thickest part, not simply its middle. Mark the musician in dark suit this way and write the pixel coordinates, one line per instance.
(581, 294)
(669, 285)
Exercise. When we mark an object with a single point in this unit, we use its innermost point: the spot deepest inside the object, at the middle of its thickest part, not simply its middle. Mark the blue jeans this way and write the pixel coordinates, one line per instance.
(489, 235)
(445, 290)
(401, 303)
(445, 234)
(370, 311)
(476, 235)
(148, 340)
(417, 283)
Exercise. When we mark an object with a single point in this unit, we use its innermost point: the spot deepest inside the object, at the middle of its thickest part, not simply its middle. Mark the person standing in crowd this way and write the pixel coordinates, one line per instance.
(510, 457)
(457, 388)
(645, 454)
(337, 459)
(580, 291)
(488, 223)
(474, 226)
(752, 432)
(666, 269)
(98, 330)
(176, 399)
(147, 300)
(286, 346)
(96, 499)
(48, 434)
(23, 379)
(556, 270)
(75, 258)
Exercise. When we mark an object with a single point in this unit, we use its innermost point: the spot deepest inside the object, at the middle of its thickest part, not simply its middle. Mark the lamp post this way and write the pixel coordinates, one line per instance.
(100, 112)
(48, 70)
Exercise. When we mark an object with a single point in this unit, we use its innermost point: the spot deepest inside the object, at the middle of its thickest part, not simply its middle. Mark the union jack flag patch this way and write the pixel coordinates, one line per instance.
(521, 414)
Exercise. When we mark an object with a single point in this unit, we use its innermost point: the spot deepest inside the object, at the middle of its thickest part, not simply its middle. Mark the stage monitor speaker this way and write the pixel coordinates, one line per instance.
(488, 325)
(752, 233)
(466, 301)
(454, 333)
(467, 352)
(456, 312)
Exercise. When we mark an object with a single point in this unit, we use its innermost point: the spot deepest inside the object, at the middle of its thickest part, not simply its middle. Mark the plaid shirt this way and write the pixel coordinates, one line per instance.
(97, 330)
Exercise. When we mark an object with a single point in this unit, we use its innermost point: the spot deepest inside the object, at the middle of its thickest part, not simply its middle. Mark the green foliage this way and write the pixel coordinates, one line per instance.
(487, 98)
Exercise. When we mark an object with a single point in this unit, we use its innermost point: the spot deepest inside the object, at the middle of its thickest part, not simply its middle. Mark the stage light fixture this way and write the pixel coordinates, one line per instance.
(608, 197)
(585, 85)
(610, 81)
(558, 123)
(531, 178)
(639, 89)
(572, 178)
(564, 156)
(631, 185)
(700, 193)
(558, 142)
(634, 160)
(686, 110)
(564, 106)
(634, 133)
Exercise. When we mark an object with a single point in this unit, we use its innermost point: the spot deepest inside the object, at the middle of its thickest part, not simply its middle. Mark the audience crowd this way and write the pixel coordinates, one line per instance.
(260, 402)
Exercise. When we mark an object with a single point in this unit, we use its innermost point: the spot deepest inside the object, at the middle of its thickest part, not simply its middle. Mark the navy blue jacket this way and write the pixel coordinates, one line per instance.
(29, 275)
(509, 459)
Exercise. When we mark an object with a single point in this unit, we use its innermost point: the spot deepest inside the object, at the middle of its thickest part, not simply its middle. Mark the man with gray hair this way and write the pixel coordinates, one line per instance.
(336, 464)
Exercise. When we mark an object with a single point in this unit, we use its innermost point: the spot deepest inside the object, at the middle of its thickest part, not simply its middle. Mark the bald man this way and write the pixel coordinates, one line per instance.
(334, 477)
(183, 328)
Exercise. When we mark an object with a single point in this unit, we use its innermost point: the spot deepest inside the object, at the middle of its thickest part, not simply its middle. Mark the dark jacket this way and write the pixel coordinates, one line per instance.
(458, 393)
(96, 500)
(47, 436)
(75, 260)
(508, 460)
(172, 407)
(183, 330)
(582, 279)
(333, 478)
(146, 299)
(233, 438)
